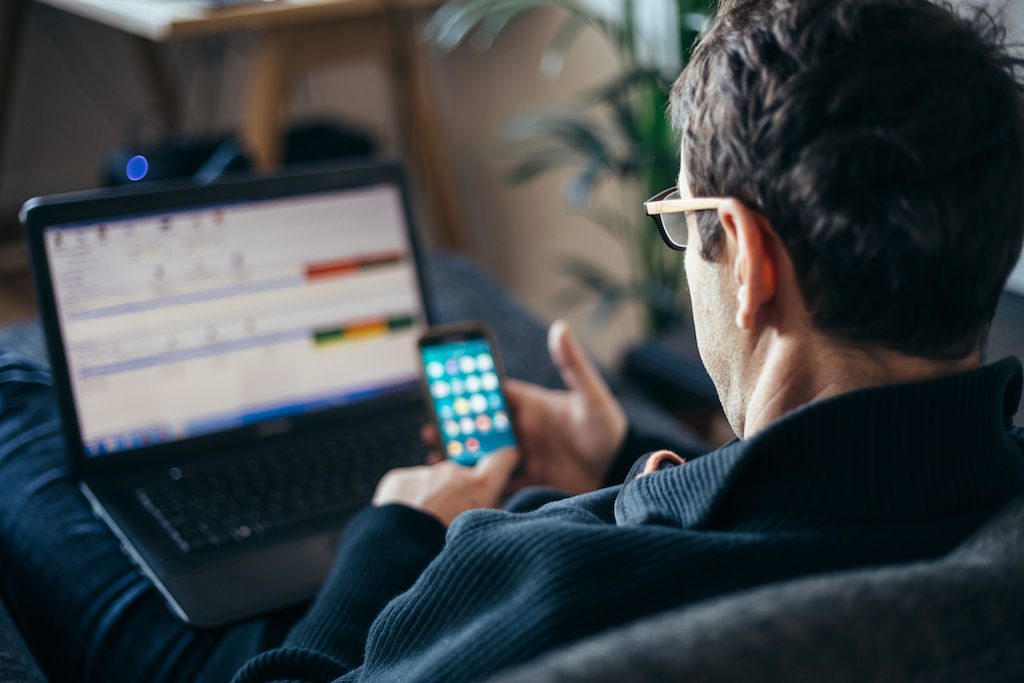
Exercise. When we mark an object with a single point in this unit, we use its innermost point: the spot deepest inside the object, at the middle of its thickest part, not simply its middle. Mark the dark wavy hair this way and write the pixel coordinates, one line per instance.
(884, 141)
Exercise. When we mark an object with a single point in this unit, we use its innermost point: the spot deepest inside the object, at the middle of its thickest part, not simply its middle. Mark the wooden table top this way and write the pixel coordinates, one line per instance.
(161, 20)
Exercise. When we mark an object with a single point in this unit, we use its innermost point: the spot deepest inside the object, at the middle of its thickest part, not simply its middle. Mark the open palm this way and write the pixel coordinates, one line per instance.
(567, 437)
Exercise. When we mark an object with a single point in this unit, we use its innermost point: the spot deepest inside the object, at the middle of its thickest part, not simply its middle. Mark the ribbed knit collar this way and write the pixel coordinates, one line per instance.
(898, 453)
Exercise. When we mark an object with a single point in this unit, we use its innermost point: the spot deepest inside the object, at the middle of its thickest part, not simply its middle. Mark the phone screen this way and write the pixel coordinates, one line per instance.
(465, 390)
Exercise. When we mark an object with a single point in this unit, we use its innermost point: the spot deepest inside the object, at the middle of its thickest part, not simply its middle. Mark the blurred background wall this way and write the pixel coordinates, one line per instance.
(79, 92)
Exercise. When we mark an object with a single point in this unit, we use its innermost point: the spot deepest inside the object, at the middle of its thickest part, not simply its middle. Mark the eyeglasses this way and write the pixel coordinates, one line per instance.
(668, 210)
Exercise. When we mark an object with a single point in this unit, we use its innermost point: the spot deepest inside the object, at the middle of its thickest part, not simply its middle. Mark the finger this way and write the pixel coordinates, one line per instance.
(576, 369)
(516, 386)
(497, 467)
(428, 434)
(518, 392)
(434, 457)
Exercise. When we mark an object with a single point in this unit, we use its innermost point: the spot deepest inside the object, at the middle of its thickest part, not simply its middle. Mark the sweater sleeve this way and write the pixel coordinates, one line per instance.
(383, 551)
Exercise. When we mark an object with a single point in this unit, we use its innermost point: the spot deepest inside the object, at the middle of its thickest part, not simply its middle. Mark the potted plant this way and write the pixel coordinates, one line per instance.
(616, 136)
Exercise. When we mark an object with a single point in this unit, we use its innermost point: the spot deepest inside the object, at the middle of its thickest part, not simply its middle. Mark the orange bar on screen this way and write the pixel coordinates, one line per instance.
(365, 328)
(350, 266)
(331, 268)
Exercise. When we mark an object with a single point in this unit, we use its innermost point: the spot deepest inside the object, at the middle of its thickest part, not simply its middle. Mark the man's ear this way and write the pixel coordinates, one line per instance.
(755, 269)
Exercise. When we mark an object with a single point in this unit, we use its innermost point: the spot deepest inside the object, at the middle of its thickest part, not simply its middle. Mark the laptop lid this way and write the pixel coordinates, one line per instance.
(196, 317)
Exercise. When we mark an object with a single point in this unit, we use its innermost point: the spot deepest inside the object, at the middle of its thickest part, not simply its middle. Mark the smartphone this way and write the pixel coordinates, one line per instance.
(463, 380)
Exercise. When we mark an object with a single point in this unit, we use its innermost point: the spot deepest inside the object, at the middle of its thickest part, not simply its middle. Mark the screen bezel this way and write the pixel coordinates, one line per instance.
(460, 332)
(44, 212)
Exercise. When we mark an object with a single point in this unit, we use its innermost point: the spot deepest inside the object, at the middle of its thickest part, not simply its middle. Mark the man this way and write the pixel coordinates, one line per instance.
(849, 201)
(862, 162)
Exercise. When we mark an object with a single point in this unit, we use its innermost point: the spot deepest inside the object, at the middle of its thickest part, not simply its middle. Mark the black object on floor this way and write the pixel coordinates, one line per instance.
(205, 159)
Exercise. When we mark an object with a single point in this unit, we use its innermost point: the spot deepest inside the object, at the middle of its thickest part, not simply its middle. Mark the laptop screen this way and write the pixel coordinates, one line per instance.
(220, 316)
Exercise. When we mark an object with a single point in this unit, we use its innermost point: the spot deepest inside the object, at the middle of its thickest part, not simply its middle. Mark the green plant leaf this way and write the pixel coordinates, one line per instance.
(666, 309)
(455, 21)
(580, 188)
(587, 275)
(624, 84)
(581, 135)
(609, 302)
(495, 23)
(569, 297)
(553, 60)
(618, 131)
(450, 25)
(610, 220)
(529, 169)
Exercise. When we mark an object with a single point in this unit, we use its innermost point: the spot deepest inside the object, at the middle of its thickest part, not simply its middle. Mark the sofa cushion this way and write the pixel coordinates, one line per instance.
(955, 618)
(16, 662)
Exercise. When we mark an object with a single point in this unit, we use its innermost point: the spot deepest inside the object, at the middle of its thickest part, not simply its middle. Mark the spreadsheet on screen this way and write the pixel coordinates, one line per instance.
(187, 322)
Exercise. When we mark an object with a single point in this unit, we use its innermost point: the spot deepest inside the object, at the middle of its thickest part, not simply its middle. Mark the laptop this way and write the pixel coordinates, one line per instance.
(235, 366)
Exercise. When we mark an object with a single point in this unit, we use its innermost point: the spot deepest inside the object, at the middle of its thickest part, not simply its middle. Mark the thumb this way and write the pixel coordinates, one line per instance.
(576, 369)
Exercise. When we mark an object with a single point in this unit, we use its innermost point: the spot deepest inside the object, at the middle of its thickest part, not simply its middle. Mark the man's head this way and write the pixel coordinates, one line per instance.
(879, 144)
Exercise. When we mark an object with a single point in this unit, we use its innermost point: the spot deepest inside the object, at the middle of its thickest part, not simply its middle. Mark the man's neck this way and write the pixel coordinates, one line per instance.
(794, 375)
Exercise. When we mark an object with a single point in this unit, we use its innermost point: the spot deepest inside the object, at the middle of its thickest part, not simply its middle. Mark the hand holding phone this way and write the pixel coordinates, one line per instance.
(463, 379)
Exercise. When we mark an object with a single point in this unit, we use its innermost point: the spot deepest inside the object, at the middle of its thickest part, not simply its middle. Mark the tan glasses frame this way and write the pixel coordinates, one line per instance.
(657, 206)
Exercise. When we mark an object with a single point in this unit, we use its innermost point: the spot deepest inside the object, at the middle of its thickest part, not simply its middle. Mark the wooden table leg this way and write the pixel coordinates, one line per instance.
(421, 132)
(284, 52)
(264, 122)
(11, 13)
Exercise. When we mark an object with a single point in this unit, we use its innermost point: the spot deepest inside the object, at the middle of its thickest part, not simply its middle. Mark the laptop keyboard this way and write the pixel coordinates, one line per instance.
(219, 505)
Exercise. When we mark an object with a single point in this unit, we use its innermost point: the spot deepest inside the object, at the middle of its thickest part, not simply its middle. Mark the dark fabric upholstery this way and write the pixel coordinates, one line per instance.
(955, 618)
(16, 662)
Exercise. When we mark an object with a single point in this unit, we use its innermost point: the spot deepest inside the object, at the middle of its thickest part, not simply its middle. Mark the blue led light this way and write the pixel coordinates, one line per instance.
(137, 167)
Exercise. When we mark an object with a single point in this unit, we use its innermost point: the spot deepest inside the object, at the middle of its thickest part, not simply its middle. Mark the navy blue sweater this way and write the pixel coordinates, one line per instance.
(879, 475)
